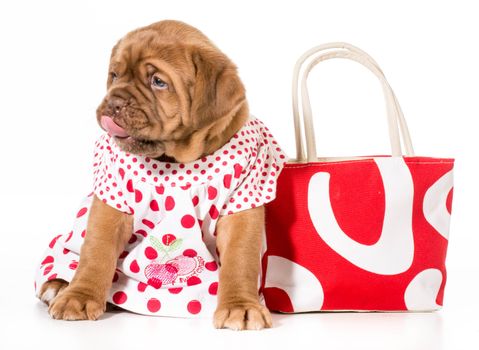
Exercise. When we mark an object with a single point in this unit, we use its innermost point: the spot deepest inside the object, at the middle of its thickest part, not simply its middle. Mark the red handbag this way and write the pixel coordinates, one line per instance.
(357, 234)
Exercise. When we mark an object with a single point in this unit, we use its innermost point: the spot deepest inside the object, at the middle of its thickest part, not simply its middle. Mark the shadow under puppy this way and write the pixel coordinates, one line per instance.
(180, 179)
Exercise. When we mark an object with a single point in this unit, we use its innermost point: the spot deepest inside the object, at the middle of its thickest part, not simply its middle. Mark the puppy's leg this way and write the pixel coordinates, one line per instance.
(239, 243)
(108, 231)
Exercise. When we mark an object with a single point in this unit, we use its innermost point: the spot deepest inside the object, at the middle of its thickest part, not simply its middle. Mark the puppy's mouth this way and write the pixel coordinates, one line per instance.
(115, 130)
(112, 128)
(130, 143)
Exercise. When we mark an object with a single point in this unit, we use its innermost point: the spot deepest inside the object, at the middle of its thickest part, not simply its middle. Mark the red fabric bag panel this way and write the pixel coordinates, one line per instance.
(356, 266)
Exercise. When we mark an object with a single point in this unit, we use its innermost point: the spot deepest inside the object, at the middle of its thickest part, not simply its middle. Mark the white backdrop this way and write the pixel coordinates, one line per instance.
(53, 67)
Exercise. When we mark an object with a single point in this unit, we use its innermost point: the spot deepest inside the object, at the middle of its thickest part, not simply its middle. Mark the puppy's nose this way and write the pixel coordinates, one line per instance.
(116, 104)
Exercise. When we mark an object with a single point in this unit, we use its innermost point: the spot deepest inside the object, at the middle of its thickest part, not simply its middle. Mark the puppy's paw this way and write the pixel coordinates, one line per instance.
(50, 289)
(75, 304)
(241, 317)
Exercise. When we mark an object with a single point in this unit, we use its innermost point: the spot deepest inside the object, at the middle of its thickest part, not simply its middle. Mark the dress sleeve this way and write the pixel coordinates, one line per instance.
(258, 185)
(107, 183)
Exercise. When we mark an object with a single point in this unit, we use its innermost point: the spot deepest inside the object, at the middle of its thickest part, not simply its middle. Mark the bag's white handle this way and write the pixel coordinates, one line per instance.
(392, 109)
(343, 50)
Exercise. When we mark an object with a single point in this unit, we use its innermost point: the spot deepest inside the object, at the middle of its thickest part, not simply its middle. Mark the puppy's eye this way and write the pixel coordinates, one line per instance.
(113, 76)
(157, 83)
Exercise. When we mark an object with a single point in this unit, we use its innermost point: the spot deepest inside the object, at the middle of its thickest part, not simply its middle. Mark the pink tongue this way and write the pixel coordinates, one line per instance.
(112, 128)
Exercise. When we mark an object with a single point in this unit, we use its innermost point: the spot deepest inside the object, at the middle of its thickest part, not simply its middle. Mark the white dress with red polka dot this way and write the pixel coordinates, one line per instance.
(169, 266)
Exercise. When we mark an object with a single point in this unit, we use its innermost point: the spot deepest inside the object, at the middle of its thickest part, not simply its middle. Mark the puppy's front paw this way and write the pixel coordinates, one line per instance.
(74, 304)
(241, 317)
(50, 289)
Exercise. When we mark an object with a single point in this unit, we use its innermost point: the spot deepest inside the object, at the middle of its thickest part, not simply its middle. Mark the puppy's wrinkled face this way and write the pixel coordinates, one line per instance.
(166, 82)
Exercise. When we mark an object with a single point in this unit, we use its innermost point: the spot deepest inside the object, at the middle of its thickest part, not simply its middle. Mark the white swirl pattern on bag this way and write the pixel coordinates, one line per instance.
(303, 288)
(434, 205)
(394, 251)
(421, 292)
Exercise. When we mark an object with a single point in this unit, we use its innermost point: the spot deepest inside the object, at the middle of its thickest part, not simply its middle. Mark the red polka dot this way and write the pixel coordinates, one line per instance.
(121, 171)
(175, 290)
(134, 267)
(151, 253)
(213, 288)
(52, 277)
(142, 286)
(168, 239)
(54, 241)
(187, 221)
(48, 269)
(194, 307)
(193, 280)
(129, 186)
(160, 189)
(148, 223)
(190, 252)
(115, 277)
(153, 305)
(154, 205)
(132, 239)
(211, 266)
(195, 200)
(227, 180)
(169, 203)
(48, 260)
(142, 232)
(69, 236)
(212, 192)
(83, 234)
(119, 298)
(82, 212)
(73, 265)
(238, 168)
(214, 212)
(138, 196)
(66, 251)
(123, 255)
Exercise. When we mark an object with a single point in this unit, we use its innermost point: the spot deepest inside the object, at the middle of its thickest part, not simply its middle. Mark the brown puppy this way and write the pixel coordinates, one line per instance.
(179, 98)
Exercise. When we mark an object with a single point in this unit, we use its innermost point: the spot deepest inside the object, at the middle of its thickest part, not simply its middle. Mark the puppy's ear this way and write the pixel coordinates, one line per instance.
(218, 90)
